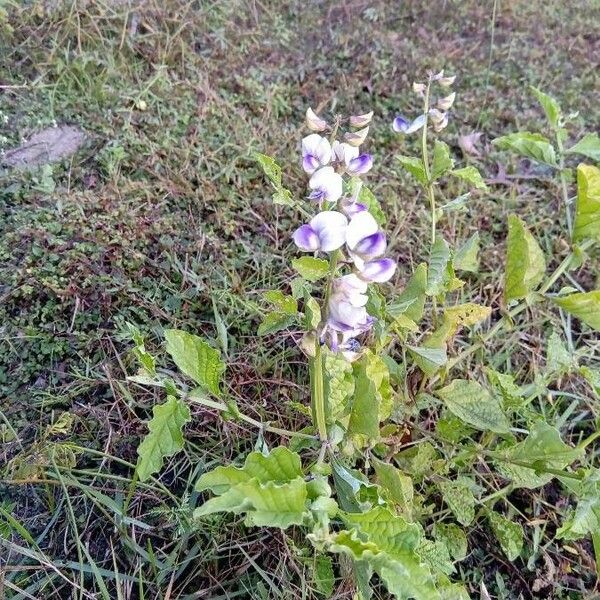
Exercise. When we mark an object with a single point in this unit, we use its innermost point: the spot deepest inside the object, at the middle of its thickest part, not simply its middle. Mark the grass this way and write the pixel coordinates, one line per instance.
(162, 216)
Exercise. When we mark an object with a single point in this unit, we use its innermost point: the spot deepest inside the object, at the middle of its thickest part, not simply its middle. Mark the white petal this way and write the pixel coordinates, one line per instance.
(343, 152)
(317, 146)
(361, 225)
(330, 226)
(329, 182)
(314, 122)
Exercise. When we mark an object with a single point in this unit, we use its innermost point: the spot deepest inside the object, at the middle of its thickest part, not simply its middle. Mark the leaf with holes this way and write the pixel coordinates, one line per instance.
(164, 438)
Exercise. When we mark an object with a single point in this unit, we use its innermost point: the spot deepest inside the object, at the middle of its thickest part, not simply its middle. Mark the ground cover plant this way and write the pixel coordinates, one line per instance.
(197, 404)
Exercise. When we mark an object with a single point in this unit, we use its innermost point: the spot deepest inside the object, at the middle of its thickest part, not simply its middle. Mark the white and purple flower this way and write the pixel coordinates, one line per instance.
(347, 159)
(326, 231)
(402, 125)
(314, 122)
(316, 152)
(326, 185)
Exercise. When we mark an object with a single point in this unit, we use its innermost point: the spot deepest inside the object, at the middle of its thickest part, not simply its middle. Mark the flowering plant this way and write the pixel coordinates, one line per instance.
(374, 471)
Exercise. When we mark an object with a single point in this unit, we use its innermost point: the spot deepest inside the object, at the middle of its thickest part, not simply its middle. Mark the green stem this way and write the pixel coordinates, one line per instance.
(318, 392)
(425, 157)
(563, 183)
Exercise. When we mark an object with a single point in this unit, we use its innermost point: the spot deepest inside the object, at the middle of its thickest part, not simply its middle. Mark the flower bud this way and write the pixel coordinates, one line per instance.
(436, 116)
(419, 88)
(361, 120)
(439, 125)
(438, 76)
(308, 343)
(447, 102)
(447, 81)
(314, 122)
(356, 138)
(360, 165)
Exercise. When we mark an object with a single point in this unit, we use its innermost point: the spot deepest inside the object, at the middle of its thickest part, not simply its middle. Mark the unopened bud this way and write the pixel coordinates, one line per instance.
(439, 125)
(447, 102)
(447, 81)
(356, 138)
(361, 120)
(436, 116)
(419, 88)
(314, 122)
(308, 343)
(438, 76)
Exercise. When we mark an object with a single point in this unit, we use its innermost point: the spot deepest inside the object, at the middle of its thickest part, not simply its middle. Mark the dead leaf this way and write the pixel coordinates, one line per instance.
(468, 143)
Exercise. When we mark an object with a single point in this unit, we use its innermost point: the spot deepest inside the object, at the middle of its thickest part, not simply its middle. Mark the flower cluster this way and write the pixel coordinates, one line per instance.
(343, 225)
(438, 113)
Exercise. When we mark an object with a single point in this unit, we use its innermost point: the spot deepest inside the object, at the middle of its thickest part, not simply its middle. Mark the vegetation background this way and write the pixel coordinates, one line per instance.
(162, 219)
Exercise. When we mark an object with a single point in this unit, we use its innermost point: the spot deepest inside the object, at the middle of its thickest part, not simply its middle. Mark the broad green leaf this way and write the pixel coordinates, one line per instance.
(164, 437)
(525, 263)
(281, 302)
(456, 317)
(592, 376)
(438, 262)
(436, 555)
(471, 175)
(505, 384)
(273, 322)
(453, 537)
(585, 306)
(584, 519)
(524, 463)
(587, 212)
(364, 418)
(429, 360)
(310, 268)
(550, 106)
(271, 169)
(323, 575)
(588, 145)
(460, 500)
(466, 257)
(312, 313)
(411, 302)
(265, 504)
(509, 534)
(367, 198)
(415, 167)
(530, 145)
(378, 372)
(558, 359)
(196, 359)
(281, 465)
(473, 404)
(339, 384)
(398, 486)
(441, 160)
(283, 196)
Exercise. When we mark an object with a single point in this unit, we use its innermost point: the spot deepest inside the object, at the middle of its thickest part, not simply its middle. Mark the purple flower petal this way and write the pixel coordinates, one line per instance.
(310, 163)
(400, 124)
(378, 271)
(360, 165)
(306, 238)
(372, 245)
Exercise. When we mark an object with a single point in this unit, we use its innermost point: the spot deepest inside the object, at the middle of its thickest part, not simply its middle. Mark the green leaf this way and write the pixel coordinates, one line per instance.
(339, 383)
(509, 534)
(525, 263)
(145, 359)
(398, 486)
(530, 145)
(585, 518)
(473, 404)
(429, 360)
(471, 175)
(558, 359)
(550, 106)
(312, 313)
(283, 196)
(592, 376)
(585, 306)
(310, 268)
(411, 302)
(436, 555)
(275, 321)
(265, 504)
(367, 198)
(438, 262)
(196, 358)
(456, 317)
(323, 575)
(441, 160)
(415, 167)
(453, 537)
(164, 438)
(281, 302)
(281, 465)
(271, 169)
(460, 500)
(588, 145)
(587, 212)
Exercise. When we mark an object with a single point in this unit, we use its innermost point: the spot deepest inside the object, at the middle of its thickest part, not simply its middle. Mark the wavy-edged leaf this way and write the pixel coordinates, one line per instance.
(471, 175)
(196, 358)
(525, 262)
(585, 306)
(530, 145)
(587, 213)
(558, 358)
(472, 403)
(310, 268)
(509, 534)
(453, 537)
(584, 519)
(165, 437)
(460, 500)
(436, 555)
(588, 145)
(339, 384)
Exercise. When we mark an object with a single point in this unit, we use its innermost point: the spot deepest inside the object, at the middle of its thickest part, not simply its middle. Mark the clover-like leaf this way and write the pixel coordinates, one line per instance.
(164, 437)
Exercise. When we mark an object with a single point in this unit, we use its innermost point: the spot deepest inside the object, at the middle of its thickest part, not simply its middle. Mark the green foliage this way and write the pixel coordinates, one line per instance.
(272, 170)
(588, 145)
(310, 268)
(411, 302)
(550, 106)
(453, 537)
(525, 262)
(587, 210)
(530, 145)
(438, 263)
(415, 167)
(441, 160)
(460, 500)
(196, 359)
(165, 437)
(584, 305)
(286, 309)
(471, 175)
(466, 257)
(509, 534)
(584, 519)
